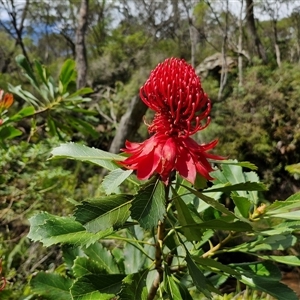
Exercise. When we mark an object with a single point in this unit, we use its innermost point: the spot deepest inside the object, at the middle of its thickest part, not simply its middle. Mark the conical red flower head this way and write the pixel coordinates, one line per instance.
(174, 92)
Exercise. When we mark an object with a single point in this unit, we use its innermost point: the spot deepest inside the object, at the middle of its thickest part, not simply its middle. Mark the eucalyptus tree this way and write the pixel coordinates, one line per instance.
(253, 34)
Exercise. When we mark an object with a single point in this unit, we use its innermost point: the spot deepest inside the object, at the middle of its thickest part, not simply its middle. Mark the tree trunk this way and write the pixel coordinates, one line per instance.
(240, 46)
(277, 49)
(81, 59)
(224, 71)
(253, 32)
(129, 124)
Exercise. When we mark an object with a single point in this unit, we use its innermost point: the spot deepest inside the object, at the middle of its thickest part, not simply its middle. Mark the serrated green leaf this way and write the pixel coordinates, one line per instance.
(69, 255)
(134, 286)
(243, 205)
(214, 265)
(97, 287)
(265, 270)
(185, 218)
(212, 202)
(148, 206)
(284, 259)
(265, 276)
(232, 174)
(114, 179)
(274, 242)
(244, 186)
(50, 229)
(102, 213)
(184, 292)
(293, 215)
(103, 257)
(51, 286)
(86, 266)
(171, 286)
(84, 153)
(201, 283)
(288, 209)
(245, 164)
(135, 255)
(218, 224)
(293, 169)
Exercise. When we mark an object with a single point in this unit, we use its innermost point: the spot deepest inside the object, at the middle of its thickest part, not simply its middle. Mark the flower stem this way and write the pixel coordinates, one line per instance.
(158, 261)
(159, 252)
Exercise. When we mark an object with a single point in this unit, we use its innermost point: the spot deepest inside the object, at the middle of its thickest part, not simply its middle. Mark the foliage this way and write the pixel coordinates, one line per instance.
(110, 241)
(29, 183)
(61, 107)
(262, 120)
(256, 121)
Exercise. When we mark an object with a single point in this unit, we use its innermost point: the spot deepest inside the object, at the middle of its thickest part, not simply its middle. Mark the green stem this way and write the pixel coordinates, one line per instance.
(159, 252)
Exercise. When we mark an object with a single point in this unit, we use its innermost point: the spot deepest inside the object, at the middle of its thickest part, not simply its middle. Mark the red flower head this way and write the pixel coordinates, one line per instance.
(174, 92)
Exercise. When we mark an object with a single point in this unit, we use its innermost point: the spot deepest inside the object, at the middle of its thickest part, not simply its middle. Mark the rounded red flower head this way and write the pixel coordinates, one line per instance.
(181, 107)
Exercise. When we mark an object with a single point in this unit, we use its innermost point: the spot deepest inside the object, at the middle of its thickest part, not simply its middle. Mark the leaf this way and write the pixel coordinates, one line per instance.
(245, 164)
(265, 277)
(293, 215)
(97, 286)
(148, 206)
(103, 257)
(201, 283)
(274, 242)
(50, 229)
(24, 64)
(135, 255)
(284, 259)
(214, 265)
(28, 97)
(218, 224)
(243, 205)
(212, 202)
(102, 213)
(185, 218)
(23, 113)
(244, 186)
(82, 126)
(184, 292)
(288, 209)
(9, 132)
(84, 153)
(82, 91)
(51, 286)
(134, 286)
(67, 73)
(171, 286)
(114, 179)
(293, 169)
(232, 174)
(41, 70)
(85, 266)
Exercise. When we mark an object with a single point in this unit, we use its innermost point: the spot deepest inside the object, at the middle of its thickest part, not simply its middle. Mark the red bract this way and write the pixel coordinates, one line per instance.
(174, 92)
(161, 154)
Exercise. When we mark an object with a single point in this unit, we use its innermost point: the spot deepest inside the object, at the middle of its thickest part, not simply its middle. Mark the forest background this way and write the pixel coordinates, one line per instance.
(247, 54)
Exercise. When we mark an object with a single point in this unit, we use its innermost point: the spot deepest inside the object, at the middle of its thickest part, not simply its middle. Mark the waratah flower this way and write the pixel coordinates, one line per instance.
(174, 92)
